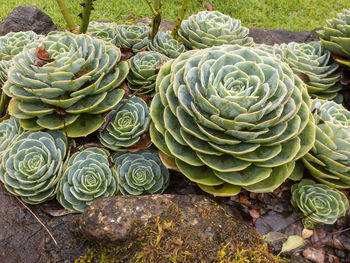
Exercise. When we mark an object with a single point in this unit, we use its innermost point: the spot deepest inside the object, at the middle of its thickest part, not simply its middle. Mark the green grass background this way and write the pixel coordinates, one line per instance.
(289, 14)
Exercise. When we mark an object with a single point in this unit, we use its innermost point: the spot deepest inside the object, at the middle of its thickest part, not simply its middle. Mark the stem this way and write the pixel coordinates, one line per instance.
(149, 3)
(66, 15)
(156, 19)
(85, 16)
(179, 19)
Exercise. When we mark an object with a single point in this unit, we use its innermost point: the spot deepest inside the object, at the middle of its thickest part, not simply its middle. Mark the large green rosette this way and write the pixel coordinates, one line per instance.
(231, 117)
(65, 81)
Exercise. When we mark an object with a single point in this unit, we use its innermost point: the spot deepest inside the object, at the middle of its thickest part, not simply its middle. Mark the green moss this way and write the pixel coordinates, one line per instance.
(166, 239)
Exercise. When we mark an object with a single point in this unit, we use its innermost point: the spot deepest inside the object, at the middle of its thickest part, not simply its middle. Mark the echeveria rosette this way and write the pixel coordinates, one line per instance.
(135, 37)
(231, 117)
(318, 203)
(87, 176)
(144, 68)
(12, 43)
(140, 173)
(165, 44)
(329, 159)
(31, 167)
(103, 30)
(316, 63)
(335, 36)
(212, 28)
(9, 131)
(71, 92)
(131, 120)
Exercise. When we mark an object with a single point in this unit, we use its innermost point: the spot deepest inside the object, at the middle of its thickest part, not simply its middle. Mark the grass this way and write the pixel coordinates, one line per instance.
(289, 14)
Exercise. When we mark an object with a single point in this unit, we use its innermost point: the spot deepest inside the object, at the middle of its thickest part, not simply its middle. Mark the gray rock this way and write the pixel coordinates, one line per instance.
(279, 36)
(158, 226)
(164, 24)
(26, 18)
(23, 238)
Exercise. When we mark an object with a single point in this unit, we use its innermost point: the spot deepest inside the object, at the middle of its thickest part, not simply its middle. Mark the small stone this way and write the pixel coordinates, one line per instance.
(307, 233)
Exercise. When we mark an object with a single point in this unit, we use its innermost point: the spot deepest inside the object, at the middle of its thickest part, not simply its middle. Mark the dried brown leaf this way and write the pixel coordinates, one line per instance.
(57, 213)
(305, 78)
(143, 143)
(255, 214)
(315, 254)
(159, 66)
(126, 53)
(144, 97)
(42, 54)
(335, 242)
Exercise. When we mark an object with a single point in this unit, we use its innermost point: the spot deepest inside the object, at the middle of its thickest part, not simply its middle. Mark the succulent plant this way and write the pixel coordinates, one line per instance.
(231, 117)
(212, 28)
(103, 30)
(144, 68)
(329, 160)
(318, 203)
(335, 36)
(30, 168)
(135, 37)
(12, 43)
(4, 67)
(87, 176)
(165, 44)
(315, 62)
(140, 173)
(129, 120)
(65, 81)
(9, 131)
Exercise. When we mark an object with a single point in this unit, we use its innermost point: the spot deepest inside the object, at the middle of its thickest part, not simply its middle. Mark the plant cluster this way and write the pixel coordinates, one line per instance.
(226, 113)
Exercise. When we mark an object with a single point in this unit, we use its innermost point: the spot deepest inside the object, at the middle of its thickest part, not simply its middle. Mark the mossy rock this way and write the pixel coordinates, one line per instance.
(168, 228)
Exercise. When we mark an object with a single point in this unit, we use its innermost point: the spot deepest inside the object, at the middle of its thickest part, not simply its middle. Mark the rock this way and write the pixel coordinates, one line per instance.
(279, 36)
(23, 238)
(185, 228)
(26, 18)
(164, 24)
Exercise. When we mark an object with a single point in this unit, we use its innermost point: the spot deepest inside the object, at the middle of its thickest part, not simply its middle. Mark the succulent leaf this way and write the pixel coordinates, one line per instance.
(135, 37)
(335, 36)
(9, 131)
(31, 166)
(329, 160)
(318, 203)
(321, 74)
(129, 120)
(144, 67)
(212, 28)
(103, 30)
(55, 83)
(140, 173)
(12, 43)
(231, 117)
(86, 177)
(165, 44)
